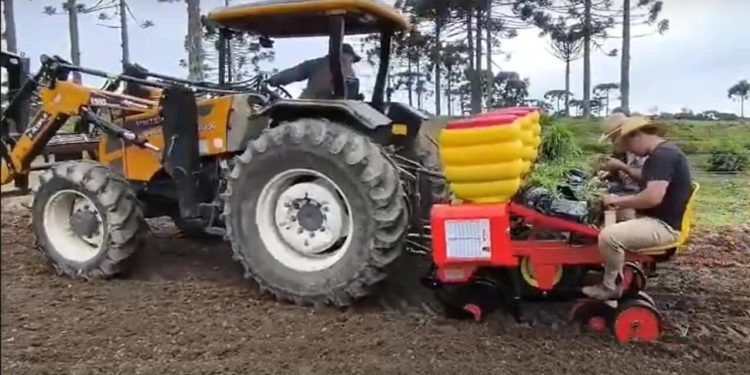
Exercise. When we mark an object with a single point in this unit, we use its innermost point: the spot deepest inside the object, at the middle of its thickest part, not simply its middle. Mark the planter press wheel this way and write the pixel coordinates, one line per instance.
(636, 321)
(634, 279)
(592, 314)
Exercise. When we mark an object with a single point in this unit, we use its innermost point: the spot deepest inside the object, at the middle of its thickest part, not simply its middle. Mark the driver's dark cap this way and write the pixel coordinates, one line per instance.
(347, 48)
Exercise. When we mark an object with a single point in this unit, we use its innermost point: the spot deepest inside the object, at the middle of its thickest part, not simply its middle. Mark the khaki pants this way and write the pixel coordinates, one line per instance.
(631, 235)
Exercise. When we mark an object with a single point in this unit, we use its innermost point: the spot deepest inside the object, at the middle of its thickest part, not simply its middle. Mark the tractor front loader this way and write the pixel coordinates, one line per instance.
(317, 197)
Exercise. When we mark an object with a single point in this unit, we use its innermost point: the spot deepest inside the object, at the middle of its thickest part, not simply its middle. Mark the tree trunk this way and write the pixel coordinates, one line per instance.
(587, 59)
(75, 50)
(567, 88)
(488, 57)
(11, 44)
(194, 41)
(625, 59)
(742, 107)
(124, 33)
(436, 59)
(470, 39)
(419, 87)
(409, 80)
(474, 88)
(449, 98)
(230, 62)
(389, 88)
(606, 111)
(478, 47)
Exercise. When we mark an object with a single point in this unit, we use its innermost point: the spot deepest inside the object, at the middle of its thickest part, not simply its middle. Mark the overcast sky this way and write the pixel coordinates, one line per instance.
(706, 50)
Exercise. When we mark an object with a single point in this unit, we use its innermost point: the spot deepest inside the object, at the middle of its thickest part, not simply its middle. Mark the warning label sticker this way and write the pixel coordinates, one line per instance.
(468, 239)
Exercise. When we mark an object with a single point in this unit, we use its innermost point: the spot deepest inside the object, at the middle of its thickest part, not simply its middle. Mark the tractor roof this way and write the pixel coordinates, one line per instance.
(300, 18)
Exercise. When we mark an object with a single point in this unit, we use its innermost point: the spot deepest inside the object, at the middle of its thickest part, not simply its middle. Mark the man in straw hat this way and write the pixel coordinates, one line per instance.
(621, 163)
(666, 188)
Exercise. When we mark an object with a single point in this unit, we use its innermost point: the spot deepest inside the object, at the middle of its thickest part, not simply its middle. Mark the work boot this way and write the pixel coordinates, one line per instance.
(610, 288)
(602, 292)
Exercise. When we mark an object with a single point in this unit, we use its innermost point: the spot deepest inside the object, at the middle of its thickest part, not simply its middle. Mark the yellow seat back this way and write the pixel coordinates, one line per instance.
(687, 222)
(687, 219)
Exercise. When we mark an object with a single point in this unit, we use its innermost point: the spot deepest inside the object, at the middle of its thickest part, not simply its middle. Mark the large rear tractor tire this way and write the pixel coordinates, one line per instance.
(432, 189)
(315, 213)
(86, 219)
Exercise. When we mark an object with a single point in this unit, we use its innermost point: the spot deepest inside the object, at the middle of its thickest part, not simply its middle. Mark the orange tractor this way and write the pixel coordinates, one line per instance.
(317, 197)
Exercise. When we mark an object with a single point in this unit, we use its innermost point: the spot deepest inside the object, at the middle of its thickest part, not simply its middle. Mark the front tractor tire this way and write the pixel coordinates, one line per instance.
(315, 213)
(86, 220)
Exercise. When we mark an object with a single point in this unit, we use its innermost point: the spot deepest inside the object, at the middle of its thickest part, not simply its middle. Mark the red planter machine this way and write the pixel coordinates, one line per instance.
(474, 242)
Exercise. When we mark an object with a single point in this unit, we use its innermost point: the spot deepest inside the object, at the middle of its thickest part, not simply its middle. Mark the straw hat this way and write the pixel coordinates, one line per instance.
(632, 124)
(611, 125)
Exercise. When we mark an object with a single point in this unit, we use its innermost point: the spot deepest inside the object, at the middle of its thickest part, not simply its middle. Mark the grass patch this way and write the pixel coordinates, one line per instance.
(694, 137)
(724, 200)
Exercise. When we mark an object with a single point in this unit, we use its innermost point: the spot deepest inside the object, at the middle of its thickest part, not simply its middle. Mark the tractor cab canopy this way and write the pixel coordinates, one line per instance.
(305, 18)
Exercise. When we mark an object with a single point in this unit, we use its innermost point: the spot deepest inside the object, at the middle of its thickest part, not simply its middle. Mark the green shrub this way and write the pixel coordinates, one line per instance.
(727, 160)
(558, 142)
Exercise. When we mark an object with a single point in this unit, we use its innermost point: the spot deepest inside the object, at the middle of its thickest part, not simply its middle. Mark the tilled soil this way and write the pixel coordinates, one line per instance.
(185, 309)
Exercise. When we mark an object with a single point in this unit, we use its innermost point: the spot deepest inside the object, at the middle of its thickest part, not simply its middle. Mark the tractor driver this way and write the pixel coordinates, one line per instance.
(318, 74)
(666, 188)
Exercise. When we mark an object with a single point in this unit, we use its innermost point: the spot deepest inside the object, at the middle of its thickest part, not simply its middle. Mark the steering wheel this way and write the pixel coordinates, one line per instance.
(276, 91)
(263, 86)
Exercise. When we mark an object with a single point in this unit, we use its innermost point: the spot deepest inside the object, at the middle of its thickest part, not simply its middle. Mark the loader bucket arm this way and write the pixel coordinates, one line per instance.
(58, 104)
(61, 99)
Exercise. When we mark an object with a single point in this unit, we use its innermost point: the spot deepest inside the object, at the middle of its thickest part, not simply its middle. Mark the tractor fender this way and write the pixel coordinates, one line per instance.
(244, 121)
(351, 112)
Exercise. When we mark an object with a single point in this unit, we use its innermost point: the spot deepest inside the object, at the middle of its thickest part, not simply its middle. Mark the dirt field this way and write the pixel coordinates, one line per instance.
(185, 309)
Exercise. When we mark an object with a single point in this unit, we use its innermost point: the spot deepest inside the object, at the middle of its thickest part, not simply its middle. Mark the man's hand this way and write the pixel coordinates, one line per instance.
(650, 197)
(611, 200)
(615, 165)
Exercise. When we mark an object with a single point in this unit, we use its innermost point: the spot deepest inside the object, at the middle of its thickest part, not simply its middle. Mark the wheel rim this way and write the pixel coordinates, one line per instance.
(527, 273)
(303, 219)
(74, 226)
(637, 323)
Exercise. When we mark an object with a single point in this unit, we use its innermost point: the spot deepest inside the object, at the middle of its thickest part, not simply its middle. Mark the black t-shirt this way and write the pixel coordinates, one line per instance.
(668, 163)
